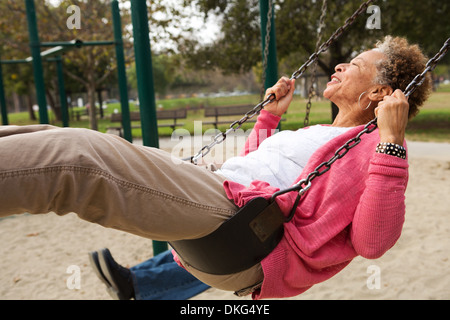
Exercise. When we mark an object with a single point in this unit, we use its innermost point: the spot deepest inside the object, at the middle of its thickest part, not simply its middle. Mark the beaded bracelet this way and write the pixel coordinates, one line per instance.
(391, 149)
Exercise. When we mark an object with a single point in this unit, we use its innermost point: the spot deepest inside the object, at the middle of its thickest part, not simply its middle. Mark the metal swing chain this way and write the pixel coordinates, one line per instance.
(303, 185)
(219, 138)
(312, 92)
(324, 47)
(266, 47)
(431, 64)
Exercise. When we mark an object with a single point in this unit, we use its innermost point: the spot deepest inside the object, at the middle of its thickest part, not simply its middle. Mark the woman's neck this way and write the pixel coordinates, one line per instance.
(351, 118)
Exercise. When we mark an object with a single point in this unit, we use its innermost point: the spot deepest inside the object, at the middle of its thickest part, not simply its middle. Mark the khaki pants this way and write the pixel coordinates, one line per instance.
(106, 180)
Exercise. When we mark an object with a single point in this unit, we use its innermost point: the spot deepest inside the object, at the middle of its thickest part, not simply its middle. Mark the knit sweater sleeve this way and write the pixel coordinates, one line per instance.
(380, 214)
(265, 126)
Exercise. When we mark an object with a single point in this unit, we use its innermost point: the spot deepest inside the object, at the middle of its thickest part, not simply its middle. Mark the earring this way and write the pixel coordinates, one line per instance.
(359, 102)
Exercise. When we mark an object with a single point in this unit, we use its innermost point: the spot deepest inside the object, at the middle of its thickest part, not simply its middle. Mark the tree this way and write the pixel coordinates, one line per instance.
(91, 66)
(164, 72)
(238, 50)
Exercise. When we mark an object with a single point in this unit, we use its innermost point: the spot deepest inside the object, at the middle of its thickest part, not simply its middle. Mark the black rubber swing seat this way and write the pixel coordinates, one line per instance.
(239, 243)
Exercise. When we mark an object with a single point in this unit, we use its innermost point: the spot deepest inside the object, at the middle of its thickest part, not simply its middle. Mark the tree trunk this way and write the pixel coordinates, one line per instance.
(53, 106)
(92, 110)
(16, 102)
(100, 103)
(29, 102)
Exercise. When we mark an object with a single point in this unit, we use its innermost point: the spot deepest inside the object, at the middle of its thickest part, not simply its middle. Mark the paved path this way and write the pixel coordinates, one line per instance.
(429, 150)
(416, 149)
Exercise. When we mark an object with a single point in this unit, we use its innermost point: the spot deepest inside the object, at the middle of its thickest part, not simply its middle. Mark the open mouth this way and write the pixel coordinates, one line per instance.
(334, 80)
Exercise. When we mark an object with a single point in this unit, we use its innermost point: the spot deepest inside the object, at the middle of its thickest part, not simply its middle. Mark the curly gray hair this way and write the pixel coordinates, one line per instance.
(403, 62)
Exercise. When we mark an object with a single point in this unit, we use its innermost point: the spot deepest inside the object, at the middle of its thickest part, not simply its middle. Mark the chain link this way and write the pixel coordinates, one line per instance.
(431, 64)
(297, 74)
(257, 109)
(266, 47)
(312, 92)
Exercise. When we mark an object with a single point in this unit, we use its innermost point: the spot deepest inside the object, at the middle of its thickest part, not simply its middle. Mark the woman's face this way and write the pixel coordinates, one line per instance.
(351, 79)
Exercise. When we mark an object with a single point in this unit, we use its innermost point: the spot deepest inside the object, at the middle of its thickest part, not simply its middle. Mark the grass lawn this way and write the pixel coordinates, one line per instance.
(432, 123)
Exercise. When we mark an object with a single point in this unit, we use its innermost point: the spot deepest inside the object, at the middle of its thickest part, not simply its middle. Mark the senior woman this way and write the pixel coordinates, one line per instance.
(357, 208)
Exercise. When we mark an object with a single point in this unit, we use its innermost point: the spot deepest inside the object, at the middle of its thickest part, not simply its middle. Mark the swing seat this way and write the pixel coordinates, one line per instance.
(239, 243)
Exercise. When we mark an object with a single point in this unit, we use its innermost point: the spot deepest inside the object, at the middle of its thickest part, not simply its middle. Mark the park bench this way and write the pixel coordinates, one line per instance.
(226, 111)
(174, 115)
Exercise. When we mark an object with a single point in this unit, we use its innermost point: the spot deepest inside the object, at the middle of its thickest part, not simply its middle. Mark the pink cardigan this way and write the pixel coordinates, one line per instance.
(356, 208)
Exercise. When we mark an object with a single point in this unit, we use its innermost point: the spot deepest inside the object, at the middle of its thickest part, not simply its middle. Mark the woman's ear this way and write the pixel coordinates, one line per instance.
(377, 93)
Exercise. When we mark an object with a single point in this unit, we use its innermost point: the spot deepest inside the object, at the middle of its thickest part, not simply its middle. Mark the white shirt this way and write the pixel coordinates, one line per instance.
(280, 159)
